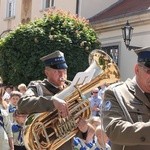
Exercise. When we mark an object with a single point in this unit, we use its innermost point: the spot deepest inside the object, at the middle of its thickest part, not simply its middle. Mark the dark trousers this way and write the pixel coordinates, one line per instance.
(19, 147)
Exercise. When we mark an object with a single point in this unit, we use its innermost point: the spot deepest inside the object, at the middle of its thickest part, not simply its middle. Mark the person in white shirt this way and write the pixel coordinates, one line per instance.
(6, 136)
(95, 102)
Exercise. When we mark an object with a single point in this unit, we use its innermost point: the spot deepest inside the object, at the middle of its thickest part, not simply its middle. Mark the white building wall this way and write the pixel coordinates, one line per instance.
(127, 59)
(68, 5)
(37, 11)
(89, 8)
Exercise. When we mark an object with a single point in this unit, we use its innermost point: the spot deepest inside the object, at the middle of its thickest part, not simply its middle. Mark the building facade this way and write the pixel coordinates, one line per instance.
(14, 12)
(108, 24)
(106, 17)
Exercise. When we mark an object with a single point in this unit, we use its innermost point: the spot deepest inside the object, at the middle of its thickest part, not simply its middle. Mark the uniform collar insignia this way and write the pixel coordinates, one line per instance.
(107, 105)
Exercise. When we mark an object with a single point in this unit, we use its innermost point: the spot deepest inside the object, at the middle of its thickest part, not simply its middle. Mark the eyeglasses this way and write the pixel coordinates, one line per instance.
(147, 70)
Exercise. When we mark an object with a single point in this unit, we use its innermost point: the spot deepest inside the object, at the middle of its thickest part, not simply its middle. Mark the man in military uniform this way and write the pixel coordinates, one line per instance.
(39, 96)
(126, 108)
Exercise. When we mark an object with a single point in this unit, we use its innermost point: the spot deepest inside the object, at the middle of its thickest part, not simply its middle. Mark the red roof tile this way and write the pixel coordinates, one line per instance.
(122, 8)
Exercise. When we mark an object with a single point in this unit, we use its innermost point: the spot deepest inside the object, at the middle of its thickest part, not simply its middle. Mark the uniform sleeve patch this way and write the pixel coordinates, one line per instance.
(107, 105)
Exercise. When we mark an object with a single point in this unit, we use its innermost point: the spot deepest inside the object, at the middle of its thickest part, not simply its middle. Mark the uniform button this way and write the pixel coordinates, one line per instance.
(143, 139)
(132, 87)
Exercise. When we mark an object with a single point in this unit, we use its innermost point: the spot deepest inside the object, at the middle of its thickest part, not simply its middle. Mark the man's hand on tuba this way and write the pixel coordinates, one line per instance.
(61, 106)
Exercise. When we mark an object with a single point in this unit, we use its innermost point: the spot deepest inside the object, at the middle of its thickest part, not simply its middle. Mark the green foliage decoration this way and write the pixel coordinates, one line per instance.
(21, 49)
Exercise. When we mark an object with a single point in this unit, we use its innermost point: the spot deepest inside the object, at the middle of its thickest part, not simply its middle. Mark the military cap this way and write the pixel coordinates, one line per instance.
(55, 60)
(143, 56)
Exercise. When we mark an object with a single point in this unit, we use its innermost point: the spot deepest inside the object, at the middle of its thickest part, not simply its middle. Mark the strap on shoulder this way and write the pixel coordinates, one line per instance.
(37, 84)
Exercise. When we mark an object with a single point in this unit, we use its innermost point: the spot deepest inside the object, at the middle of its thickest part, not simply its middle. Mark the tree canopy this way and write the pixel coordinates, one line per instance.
(21, 49)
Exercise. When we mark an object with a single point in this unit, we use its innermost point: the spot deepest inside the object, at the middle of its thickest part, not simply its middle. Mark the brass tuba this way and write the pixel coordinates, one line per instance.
(48, 131)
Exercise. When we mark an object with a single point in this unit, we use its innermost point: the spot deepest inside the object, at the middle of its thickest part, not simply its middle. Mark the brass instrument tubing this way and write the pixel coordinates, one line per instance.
(36, 137)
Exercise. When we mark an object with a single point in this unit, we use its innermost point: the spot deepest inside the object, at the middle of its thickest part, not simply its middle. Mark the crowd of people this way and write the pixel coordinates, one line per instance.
(120, 112)
(11, 123)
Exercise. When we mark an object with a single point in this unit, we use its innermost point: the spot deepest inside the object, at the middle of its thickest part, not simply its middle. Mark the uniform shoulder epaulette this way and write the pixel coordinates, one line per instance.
(34, 83)
(116, 84)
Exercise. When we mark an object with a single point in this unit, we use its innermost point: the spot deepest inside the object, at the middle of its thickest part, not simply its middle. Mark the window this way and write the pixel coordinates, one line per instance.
(48, 3)
(10, 8)
(113, 52)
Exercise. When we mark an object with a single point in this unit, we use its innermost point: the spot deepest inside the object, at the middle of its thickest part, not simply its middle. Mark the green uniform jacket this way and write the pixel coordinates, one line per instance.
(124, 134)
(37, 99)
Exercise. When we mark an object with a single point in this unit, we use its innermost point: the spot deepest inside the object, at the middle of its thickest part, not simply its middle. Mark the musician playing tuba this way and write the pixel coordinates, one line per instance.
(39, 96)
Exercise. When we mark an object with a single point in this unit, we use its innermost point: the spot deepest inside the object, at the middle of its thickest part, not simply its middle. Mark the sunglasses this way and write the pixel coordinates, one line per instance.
(147, 70)
(95, 92)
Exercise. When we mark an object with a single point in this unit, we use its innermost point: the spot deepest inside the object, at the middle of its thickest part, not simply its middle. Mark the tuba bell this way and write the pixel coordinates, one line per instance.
(48, 131)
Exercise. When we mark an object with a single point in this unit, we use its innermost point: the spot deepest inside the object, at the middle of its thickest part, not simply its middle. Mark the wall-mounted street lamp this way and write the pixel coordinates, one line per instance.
(127, 31)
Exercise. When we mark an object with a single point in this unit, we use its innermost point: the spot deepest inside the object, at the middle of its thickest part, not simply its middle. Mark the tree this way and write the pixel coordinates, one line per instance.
(21, 49)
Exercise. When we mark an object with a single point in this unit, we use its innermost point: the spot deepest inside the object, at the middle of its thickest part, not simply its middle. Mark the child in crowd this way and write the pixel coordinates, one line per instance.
(8, 90)
(13, 101)
(6, 136)
(17, 129)
(96, 138)
(101, 138)
(22, 88)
